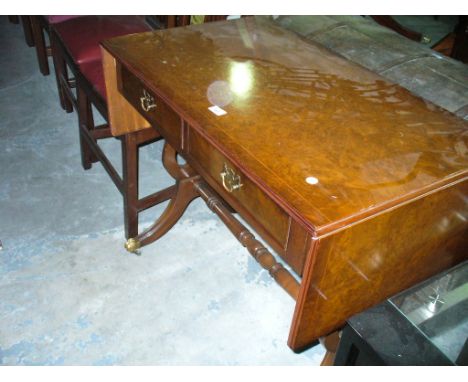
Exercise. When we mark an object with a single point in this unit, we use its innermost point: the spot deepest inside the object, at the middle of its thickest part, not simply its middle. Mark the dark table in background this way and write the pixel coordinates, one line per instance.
(425, 325)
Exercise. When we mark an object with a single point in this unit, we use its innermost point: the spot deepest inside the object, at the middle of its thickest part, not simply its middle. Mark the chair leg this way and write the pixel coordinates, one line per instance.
(60, 72)
(85, 124)
(28, 36)
(130, 184)
(39, 42)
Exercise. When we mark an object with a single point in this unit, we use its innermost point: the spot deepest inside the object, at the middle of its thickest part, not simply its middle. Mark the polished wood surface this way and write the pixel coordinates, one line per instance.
(283, 234)
(120, 112)
(370, 142)
(272, 218)
(362, 265)
(359, 185)
(159, 114)
(331, 344)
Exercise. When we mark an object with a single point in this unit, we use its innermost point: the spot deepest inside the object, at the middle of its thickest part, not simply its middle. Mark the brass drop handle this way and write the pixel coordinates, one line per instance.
(231, 181)
(147, 101)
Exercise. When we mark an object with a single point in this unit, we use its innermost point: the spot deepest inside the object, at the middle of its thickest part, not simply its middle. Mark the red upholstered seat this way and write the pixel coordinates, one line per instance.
(59, 18)
(81, 36)
(93, 72)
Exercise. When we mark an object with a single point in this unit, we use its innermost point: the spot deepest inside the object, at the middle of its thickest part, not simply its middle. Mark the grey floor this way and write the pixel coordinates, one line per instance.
(435, 29)
(69, 292)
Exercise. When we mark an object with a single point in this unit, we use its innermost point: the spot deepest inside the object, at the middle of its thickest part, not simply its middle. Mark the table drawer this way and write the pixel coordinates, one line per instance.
(236, 188)
(152, 107)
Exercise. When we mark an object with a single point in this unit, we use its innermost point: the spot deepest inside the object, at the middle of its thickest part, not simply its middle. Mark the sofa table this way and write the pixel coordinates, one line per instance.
(359, 186)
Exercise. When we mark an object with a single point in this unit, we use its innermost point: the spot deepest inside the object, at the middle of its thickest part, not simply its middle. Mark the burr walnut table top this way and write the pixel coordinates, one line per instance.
(332, 141)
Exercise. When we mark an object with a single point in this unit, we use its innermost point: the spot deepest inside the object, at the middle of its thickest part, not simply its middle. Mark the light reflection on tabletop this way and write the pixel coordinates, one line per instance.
(366, 140)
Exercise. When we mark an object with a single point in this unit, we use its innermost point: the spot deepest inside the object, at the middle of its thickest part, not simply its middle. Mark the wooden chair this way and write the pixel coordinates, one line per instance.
(75, 47)
(39, 26)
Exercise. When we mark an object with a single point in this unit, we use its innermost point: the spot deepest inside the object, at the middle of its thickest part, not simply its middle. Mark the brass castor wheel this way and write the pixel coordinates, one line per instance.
(132, 245)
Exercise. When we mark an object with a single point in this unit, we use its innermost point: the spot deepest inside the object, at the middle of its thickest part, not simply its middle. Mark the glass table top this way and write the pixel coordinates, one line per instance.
(438, 308)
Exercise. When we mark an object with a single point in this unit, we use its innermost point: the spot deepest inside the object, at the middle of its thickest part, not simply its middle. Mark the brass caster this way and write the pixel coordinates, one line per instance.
(132, 245)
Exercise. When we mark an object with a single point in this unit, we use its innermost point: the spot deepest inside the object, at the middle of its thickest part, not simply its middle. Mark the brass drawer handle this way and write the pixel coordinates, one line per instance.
(231, 181)
(147, 101)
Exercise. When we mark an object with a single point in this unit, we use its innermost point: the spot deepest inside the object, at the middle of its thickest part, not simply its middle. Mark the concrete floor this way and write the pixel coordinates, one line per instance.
(433, 28)
(71, 295)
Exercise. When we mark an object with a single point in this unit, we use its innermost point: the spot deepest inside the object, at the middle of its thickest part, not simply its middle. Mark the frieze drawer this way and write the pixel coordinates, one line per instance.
(236, 187)
(151, 106)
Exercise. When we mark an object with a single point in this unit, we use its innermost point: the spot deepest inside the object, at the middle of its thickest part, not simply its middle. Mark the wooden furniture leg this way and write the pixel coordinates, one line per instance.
(183, 196)
(39, 42)
(130, 184)
(85, 122)
(171, 21)
(61, 73)
(130, 174)
(330, 343)
(28, 35)
(460, 46)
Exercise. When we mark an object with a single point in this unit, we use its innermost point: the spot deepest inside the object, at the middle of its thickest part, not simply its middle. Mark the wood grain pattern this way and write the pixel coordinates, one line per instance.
(123, 118)
(296, 111)
(371, 179)
(362, 265)
(254, 200)
(257, 208)
(161, 116)
(297, 247)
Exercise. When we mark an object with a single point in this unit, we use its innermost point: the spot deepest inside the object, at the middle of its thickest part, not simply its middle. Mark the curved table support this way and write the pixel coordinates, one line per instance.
(176, 170)
(184, 194)
(189, 185)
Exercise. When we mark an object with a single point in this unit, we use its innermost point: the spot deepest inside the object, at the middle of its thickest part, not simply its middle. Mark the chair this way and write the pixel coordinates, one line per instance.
(75, 47)
(39, 25)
